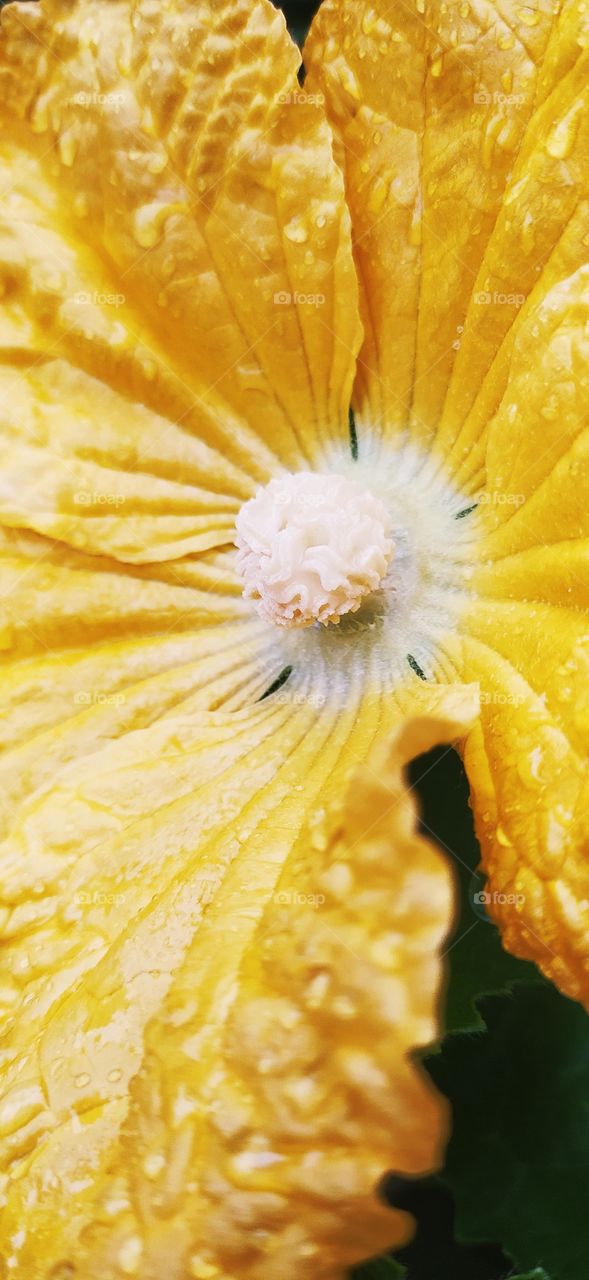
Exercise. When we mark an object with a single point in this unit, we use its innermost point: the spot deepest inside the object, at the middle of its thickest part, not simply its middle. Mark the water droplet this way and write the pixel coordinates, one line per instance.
(157, 162)
(124, 57)
(377, 197)
(200, 1269)
(415, 226)
(492, 128)
(317, 990)
(153, 1164)
(296, 231)
(528, 234)
(67, 145)
(528, 767)
(149, 222)
(562, 136)
(148, 369)
(40, 116)
(349, 83)
(529, 17)
(550, 409)
(81, 205)
(168, 266)
(130, 1256)
(514, 193)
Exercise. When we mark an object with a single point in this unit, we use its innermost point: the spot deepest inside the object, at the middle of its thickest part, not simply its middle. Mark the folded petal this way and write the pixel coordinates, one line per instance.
(83, 466)
(527, 764)
(218, 1003)
(537, 454)
(539, 242)
(526, 641)
(430, 104)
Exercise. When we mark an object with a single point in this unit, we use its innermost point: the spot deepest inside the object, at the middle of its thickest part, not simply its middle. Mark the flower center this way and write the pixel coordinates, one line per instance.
(311, 547)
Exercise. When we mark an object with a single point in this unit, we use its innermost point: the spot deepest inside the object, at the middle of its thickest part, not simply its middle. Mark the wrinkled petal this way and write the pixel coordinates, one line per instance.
(539, 241)
(538, 440)
(212, 1066)
(430, 104)
(168, 320)
(93, 650)
(468, 186)
(526, 640)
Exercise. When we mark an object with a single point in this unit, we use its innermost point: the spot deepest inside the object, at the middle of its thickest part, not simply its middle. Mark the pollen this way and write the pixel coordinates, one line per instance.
(311, 547)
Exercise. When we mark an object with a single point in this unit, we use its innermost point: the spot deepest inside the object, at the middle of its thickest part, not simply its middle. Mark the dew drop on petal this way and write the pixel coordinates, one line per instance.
(296, 231)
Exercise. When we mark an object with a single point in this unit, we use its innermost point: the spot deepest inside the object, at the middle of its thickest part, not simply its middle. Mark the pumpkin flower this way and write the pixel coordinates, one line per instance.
(295, 465)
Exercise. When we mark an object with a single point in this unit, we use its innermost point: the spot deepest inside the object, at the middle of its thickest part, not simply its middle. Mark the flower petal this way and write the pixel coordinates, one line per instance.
(527, 642)
(538, 242)
(527, 765)
(538, 475)
(430, 103)
(204, 275)
(217, 1013)
(478, 340)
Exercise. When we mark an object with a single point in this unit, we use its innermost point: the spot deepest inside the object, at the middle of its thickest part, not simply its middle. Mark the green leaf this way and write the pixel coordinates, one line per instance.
(518, 1159)
(477, 961)
(537, 1274)
(380, 1269)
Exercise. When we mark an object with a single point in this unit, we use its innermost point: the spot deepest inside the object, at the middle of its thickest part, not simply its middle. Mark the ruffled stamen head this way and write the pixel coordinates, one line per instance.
(311, 547)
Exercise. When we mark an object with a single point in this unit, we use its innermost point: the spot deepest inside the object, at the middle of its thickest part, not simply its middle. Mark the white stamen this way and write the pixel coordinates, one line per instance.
(311, 547)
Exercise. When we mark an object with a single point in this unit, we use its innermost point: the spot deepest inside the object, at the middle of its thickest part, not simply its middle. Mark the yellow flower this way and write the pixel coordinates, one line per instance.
(220, 952)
